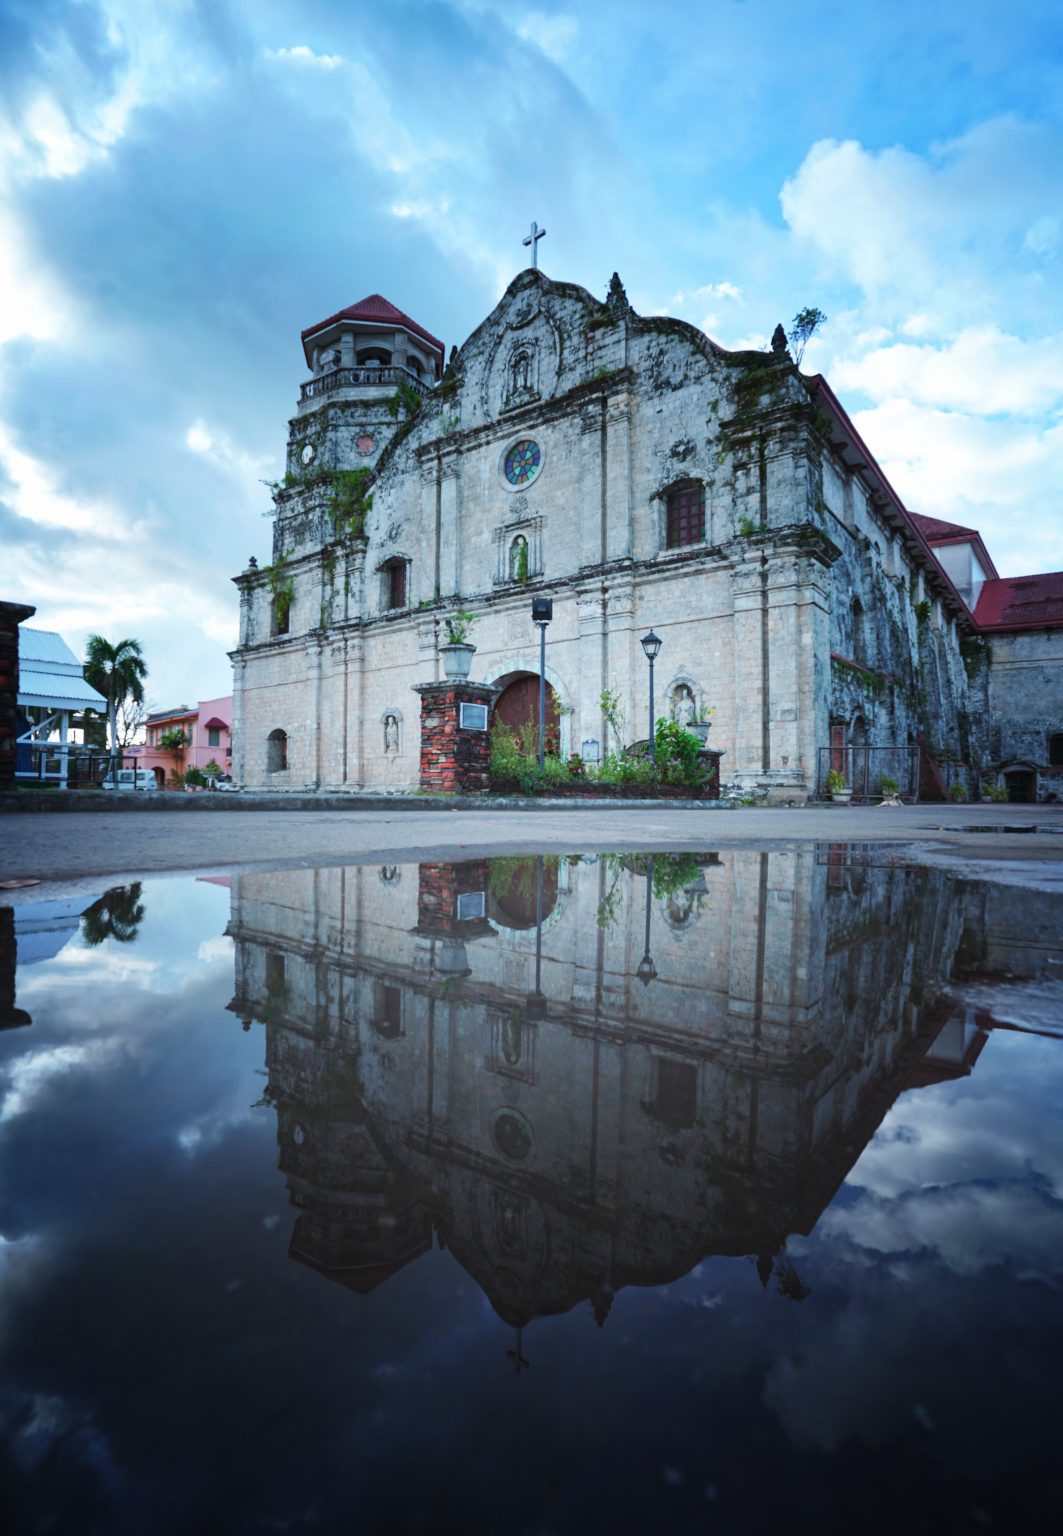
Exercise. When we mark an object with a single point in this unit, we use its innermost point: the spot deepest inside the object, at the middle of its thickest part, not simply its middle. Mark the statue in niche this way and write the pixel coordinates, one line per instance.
(391, 734)
(684, 706)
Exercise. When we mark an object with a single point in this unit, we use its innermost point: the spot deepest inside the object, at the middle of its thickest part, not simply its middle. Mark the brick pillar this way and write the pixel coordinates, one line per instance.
(438, 889)
(455, 760)
(11, 616)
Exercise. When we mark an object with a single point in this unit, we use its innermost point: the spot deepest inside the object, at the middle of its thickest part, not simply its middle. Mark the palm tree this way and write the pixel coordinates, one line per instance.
(116, 915)
(118, 672)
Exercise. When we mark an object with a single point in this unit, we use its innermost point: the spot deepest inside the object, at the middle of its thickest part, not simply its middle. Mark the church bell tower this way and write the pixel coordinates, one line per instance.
(358, 359)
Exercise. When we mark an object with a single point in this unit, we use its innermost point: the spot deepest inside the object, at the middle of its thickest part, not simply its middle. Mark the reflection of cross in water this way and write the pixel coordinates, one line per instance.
(519, 1362)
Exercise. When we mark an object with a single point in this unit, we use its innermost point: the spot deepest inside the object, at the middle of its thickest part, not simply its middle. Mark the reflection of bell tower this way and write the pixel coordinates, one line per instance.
(359, 1222)
(358, 360)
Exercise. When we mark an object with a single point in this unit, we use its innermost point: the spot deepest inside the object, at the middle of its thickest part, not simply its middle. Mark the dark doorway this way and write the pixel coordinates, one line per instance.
(1022, 788)
(518, 705)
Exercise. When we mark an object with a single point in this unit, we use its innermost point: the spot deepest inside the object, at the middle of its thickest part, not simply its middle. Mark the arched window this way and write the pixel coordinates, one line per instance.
(395, 588)
(684, 516)
(276, 752)
(413, 366)
(518, 559)
(374, 357)
(1055, 749)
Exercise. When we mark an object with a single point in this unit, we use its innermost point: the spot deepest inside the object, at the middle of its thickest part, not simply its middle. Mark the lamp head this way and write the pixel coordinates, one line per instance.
(646, 971)
(651, 644)
(542, 610)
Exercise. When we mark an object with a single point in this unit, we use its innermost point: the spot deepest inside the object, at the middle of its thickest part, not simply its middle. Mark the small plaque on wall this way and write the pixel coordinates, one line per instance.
(473, 717)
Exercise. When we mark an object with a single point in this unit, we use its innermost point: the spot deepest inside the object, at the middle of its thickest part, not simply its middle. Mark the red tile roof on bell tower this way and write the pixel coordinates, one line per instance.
(376, 310)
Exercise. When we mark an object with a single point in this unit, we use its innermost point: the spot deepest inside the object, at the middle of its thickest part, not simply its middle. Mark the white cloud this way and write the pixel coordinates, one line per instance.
(30, 1074)
(983, 371)
(556, 35)
(300, 54)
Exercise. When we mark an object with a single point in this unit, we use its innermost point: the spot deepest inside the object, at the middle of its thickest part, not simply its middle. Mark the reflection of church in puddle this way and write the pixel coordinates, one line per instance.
(680, 1059)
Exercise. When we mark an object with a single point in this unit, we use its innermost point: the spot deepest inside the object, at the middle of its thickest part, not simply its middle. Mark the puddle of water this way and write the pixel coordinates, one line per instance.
(561, 1194)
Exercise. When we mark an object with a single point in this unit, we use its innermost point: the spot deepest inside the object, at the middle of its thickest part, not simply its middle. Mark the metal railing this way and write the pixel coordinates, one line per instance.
(864, 767)
(355, 378)
(84, 767)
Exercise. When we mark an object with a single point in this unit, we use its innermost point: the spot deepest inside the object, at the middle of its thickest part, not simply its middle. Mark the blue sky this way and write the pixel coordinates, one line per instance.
(184, 186)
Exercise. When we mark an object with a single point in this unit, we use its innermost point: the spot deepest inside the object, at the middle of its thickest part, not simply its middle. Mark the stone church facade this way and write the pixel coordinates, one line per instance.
(640, 476)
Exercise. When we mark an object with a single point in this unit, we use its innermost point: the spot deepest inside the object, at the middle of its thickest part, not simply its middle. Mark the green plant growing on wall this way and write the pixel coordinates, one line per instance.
(405, 401)
(522, 563)
(976, 654)
(746, 527)
(281, 586)
(611, 706)
(350, 502)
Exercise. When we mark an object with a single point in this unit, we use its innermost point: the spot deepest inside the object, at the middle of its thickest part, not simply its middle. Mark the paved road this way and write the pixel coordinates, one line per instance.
(74, 845)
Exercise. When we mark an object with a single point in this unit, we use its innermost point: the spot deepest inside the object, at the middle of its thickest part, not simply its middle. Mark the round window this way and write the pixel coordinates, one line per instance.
(512, 1135)
(522, 463)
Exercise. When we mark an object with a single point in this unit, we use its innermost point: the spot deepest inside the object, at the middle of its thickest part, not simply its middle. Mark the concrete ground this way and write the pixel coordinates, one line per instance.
(74, 846)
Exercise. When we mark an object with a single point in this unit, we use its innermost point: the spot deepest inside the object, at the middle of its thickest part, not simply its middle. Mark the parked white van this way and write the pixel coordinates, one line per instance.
(130, 778)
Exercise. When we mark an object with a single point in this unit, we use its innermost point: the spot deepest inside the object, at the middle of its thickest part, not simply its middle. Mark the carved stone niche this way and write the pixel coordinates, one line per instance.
(528, 532)
(520, 378)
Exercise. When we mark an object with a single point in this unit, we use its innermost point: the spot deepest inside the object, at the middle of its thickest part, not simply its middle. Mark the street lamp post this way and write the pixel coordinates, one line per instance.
(646, 970)
(651, 644)
(542, 613)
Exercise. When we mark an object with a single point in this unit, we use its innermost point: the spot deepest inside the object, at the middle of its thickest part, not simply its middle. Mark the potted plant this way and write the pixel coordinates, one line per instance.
(458, 650)
(889, 787)
(701, 725)
(837, 787)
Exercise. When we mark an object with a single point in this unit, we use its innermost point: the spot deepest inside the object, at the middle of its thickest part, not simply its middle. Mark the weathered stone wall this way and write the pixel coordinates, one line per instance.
(1025, 681)
(622, 407)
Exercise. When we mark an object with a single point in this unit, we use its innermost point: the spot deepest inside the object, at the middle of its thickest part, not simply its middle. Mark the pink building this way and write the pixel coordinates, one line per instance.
(207, 729)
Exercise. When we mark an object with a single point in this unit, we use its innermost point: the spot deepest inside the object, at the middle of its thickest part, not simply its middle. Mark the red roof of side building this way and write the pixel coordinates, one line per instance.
(378, 311)
(936, 530)
(1021, 602)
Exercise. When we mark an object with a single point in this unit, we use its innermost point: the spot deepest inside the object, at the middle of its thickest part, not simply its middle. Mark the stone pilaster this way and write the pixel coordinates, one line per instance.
(454, 761)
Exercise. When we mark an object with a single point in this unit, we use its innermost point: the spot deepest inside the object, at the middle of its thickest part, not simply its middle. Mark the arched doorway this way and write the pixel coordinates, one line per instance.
(518, 706)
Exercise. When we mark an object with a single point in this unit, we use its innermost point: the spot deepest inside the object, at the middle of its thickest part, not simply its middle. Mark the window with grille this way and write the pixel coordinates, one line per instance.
(395, 584)
(685, 517)
(676, 1098)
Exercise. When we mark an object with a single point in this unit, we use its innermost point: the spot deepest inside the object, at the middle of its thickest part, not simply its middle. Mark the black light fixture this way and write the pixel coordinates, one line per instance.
(651, 644)
(542, 613)
(647, 971)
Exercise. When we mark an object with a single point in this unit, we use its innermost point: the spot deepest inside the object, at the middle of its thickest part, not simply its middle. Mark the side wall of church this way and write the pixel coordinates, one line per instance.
(1025, 679)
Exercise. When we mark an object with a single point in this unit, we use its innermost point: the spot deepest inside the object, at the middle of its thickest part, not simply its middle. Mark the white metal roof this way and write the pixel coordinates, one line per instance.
(50, 675)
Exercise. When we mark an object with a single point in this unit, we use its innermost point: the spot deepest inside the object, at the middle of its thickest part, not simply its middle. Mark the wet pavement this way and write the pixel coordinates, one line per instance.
(74, 845)
(705, 1191)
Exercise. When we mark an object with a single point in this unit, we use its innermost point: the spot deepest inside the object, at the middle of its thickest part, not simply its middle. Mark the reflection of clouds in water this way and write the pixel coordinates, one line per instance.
(206, 1132)
(999, 1125)
(968, 1227)
(28, 1075)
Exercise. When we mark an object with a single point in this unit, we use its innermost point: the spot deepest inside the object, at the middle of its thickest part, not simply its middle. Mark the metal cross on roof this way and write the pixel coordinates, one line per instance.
(533, 240)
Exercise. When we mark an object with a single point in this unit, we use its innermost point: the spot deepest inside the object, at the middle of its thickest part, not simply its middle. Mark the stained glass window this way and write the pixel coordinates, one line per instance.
(522, 462)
